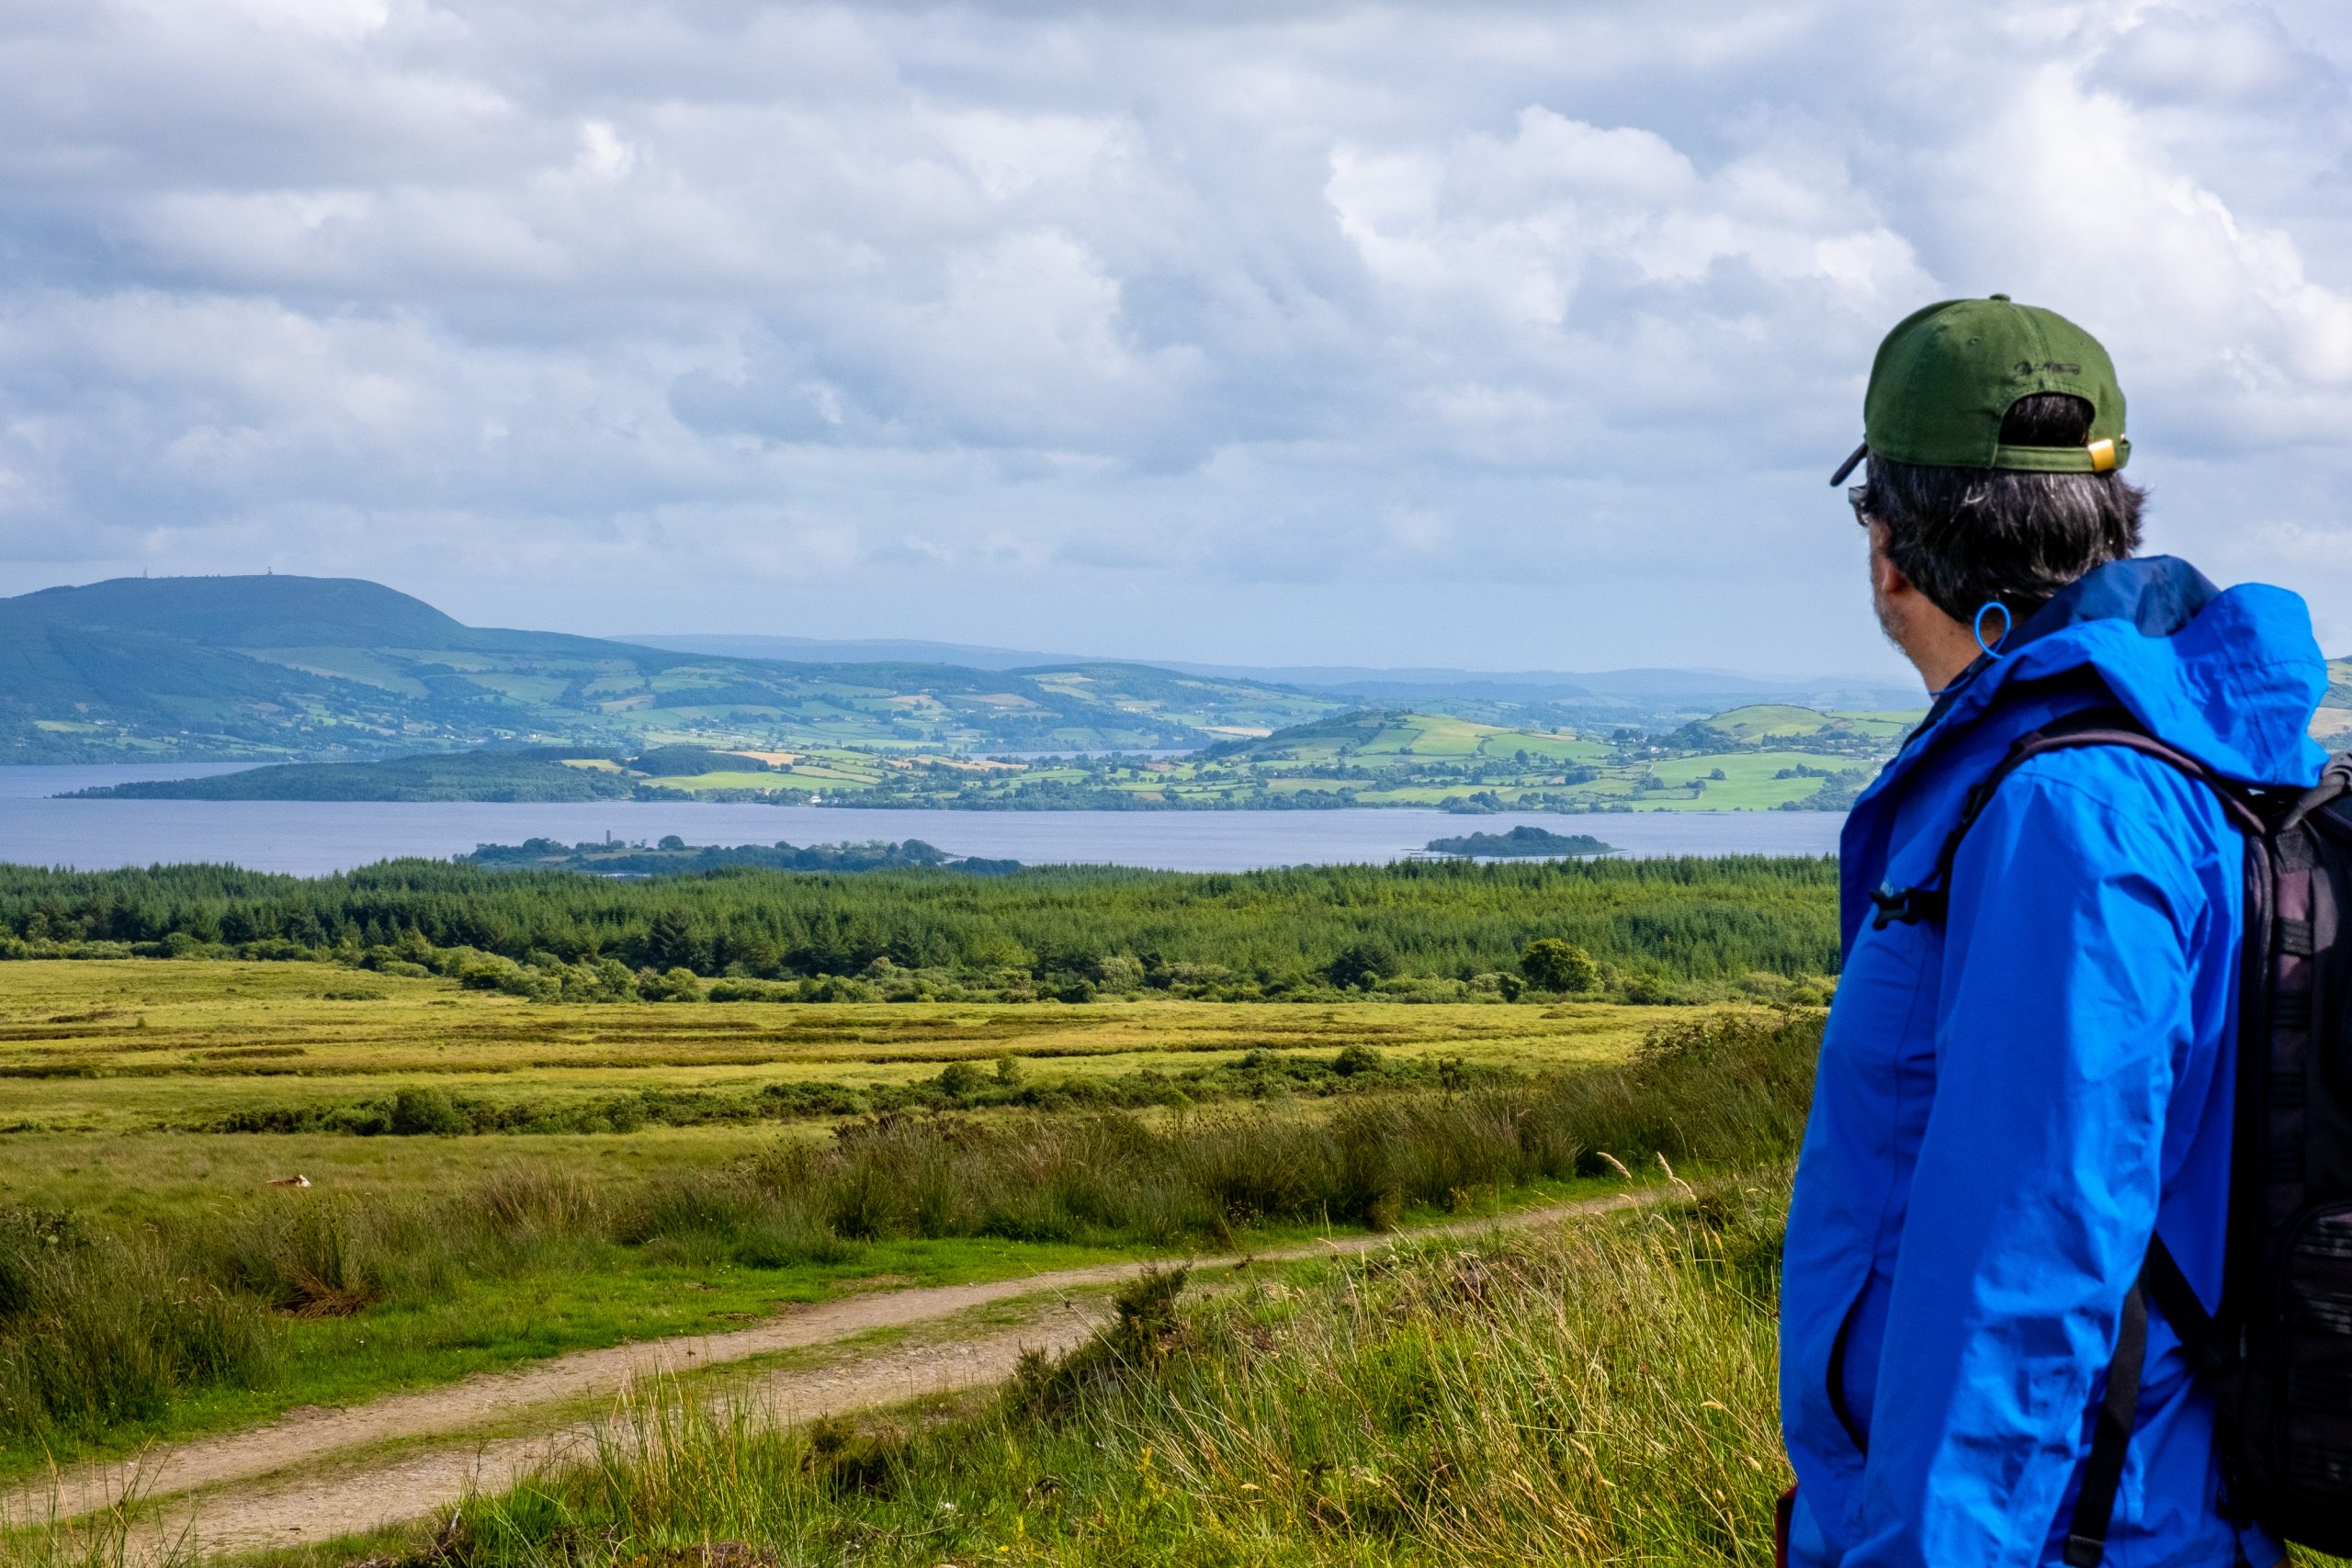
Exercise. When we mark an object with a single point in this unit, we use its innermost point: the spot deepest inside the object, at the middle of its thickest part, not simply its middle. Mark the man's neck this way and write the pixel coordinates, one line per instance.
(1940, 651)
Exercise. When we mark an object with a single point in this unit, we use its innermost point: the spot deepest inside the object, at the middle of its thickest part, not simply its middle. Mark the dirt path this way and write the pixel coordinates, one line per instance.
(287, 1510)
(303, 1509)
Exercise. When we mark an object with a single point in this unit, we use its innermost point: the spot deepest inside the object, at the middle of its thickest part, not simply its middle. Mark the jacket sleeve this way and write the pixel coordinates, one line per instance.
(2066, 1007)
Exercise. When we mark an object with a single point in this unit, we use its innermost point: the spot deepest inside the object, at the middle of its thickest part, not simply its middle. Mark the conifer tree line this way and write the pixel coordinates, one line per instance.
(1679, 919)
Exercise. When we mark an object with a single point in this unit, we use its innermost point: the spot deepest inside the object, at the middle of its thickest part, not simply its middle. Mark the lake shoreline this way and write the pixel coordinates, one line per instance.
(313, 839)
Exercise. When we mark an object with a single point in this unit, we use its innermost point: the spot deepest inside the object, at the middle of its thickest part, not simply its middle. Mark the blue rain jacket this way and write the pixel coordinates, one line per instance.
(2008, 1103)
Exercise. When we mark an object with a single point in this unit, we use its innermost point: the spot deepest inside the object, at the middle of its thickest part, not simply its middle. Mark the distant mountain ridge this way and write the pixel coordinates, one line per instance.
(1711, 690)
(327, 670)
(322, 669)
(861, 650)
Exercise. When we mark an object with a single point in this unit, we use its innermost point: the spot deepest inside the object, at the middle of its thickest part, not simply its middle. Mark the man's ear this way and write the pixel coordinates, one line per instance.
(1886, 577)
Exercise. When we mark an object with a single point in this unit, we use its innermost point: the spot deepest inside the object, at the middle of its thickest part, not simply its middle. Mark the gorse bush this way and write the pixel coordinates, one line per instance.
(1599, 1393)
(1045, 931)
(96, 1324)
(1141, 1336)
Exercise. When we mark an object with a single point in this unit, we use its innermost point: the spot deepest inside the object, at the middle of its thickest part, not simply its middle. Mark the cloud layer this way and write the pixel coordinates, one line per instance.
(1489, 334)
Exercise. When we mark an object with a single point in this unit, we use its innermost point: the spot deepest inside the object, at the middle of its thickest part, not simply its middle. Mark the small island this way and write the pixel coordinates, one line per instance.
(1523, 842)
(672, 856)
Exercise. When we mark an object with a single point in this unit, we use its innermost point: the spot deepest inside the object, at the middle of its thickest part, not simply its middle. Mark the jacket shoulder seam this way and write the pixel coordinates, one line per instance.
(2163, 858)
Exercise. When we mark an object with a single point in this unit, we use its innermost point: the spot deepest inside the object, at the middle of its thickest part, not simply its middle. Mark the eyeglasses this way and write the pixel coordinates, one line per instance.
(1856, 496)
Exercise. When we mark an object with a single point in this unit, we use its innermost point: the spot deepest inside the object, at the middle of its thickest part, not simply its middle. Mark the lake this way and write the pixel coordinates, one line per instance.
(312, 837)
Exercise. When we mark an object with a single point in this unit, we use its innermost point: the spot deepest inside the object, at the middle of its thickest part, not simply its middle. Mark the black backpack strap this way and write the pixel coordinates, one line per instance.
(2335, 780)
(2111, 1438)
(2159, 1278)
(2104, 725)
(2177, 1299)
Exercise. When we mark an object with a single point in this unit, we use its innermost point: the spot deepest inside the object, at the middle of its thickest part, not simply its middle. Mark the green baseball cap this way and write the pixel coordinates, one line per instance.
(1947, 374)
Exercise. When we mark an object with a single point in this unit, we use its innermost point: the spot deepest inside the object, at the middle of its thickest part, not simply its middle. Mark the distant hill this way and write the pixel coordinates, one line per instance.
(237, 668)
(2332, 726)
(1757, 758)
(521, 773)
(1367, 734)
(1766, 723)
(1631, 695)
(1636, 693)
(852, 650)
(251, 611)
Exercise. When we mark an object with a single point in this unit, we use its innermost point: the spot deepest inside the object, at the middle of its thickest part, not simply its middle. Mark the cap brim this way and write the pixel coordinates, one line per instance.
(1848, 466)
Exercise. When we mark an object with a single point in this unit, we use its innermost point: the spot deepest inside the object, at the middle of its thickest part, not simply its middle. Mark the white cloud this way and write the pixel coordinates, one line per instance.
(603, 155)
(1299, 332)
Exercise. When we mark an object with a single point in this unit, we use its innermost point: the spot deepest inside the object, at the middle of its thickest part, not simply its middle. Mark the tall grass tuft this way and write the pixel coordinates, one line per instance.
(97, 1329)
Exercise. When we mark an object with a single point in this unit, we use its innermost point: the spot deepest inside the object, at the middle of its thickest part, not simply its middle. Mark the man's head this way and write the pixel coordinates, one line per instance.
(1994, 435)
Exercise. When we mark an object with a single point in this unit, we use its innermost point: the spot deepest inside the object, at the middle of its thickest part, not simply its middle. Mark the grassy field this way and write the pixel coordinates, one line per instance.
(153, 1282)
(1599, 1391)
(132, 1048)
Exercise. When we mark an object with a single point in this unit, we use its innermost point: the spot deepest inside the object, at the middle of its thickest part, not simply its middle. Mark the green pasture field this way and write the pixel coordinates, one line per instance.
(1747, 783)
(691, 784)
(1887, 724)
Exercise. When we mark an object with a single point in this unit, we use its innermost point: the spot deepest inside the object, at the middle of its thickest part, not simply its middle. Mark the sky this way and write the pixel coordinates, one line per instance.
(1495, 335)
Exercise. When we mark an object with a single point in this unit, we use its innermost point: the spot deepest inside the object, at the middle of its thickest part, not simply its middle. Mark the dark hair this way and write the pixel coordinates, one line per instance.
(1967, 535)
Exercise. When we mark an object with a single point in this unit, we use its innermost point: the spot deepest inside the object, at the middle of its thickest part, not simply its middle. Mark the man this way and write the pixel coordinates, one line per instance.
(2014, 1094)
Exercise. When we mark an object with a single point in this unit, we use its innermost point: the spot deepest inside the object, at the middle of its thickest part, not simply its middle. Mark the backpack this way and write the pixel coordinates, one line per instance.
(2277, 1356)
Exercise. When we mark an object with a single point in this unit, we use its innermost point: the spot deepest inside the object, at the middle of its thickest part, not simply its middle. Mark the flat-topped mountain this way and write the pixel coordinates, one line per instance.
(265, 612)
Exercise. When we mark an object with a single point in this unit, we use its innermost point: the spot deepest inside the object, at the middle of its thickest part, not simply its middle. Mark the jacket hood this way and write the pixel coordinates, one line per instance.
(2229, 676)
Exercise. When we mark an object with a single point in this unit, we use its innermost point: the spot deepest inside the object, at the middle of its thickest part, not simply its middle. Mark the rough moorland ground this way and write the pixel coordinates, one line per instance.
(155, 1282)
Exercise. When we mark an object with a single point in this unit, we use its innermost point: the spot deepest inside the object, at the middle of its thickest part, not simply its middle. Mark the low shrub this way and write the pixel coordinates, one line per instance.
(427, 1111)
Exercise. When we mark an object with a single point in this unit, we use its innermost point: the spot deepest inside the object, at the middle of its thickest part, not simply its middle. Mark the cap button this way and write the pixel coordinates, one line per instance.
(2002, 297)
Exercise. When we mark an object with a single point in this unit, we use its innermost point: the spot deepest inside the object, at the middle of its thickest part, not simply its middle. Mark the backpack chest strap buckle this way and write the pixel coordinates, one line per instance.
(1905, 905)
